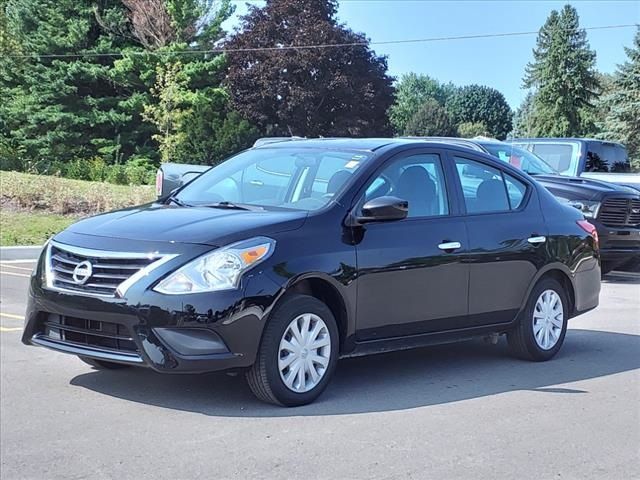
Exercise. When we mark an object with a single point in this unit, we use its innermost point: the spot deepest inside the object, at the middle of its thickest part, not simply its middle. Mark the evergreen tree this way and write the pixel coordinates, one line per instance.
(623, 120)
(523, 118)
(56, 109)
(82, 105)
(332, 91)
(564, 77)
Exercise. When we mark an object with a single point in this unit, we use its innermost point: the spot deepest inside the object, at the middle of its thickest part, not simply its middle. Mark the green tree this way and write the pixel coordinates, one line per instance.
(194, 126)
(412, 91)
(342, 91)
(56, 109)
(431, 120)
(480, 104)
(472, 129)
(81, 105)
(564, 77)
(523, 118)
(623, 120)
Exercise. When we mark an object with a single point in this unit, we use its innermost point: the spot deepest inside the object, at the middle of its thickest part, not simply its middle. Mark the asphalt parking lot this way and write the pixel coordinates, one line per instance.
(447, 412)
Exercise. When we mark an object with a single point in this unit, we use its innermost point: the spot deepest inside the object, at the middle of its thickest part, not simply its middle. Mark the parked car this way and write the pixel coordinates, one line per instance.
(171, 176)
(341, 248)
(584, 157)
(613, 209)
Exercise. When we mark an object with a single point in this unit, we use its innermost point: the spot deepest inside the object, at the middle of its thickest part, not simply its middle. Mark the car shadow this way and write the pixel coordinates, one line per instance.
(387, 382)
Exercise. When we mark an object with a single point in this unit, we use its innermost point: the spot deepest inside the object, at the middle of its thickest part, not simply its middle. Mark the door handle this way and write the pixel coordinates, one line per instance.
(537, 239)
(449, 246)
(257, 183)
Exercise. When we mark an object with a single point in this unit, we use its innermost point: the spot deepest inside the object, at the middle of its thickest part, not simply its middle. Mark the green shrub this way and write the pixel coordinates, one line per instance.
(117, 174)
(140, 171)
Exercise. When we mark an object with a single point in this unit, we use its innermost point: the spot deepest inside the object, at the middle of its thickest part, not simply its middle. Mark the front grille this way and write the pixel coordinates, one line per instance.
(620, 212)
(102, 271)
(82, 332)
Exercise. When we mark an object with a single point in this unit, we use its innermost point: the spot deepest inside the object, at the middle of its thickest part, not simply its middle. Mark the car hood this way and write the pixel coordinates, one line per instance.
(580, 188)
(197, 225)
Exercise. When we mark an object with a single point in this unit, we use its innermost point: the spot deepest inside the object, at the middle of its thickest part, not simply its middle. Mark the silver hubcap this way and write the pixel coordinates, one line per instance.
(303, 356)
(548, 318)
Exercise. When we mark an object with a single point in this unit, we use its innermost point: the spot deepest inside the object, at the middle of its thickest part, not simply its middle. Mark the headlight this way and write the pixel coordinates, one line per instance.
(218, 270)
(588, 208)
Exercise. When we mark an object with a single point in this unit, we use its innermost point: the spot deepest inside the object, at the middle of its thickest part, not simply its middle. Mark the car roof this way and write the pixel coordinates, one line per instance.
(368, 144)
(560, 139)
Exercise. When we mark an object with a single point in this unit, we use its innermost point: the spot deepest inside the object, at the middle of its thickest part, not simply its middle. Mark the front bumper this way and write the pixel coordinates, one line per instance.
(168, 333)
(618, 244)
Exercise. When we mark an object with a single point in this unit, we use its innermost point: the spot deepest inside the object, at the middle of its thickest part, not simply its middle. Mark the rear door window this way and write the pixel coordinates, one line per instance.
(483, 187)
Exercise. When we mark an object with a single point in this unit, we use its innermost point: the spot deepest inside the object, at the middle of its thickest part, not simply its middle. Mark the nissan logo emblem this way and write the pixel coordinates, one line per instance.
(82, 272)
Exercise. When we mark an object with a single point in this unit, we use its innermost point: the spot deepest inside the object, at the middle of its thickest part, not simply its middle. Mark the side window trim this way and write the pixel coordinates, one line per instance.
(460, 193)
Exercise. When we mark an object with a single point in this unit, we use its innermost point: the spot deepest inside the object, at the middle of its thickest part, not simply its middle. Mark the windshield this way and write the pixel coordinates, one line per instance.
(292, 178)
(520, 158)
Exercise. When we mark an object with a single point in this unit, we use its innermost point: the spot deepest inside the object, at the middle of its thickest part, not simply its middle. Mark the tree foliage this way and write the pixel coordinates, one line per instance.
(564, 78)
(622, 122)
(431, 120)
(481, 104)
(472, 129)
(412, 92)
(308, 91)
(56, 111)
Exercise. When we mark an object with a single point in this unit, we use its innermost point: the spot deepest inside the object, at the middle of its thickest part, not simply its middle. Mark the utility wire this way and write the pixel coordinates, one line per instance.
(282, 48)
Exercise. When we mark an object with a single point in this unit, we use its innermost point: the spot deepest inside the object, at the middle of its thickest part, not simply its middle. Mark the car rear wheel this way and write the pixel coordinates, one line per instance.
(103, 364)
(298, 353)
(543, 323)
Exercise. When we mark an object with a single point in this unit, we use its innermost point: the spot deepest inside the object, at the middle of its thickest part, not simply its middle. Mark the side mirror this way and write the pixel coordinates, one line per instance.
(383, 209)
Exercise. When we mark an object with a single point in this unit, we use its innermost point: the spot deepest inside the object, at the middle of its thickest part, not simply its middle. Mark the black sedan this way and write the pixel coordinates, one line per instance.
(291, 255)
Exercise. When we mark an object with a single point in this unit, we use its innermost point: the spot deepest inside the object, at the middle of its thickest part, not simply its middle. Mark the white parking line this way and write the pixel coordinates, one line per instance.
(10, 329)
(18, 261)
(15, 268)
(4, 272)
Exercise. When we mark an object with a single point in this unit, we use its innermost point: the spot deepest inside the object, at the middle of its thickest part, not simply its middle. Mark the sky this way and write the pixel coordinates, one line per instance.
(496, 62)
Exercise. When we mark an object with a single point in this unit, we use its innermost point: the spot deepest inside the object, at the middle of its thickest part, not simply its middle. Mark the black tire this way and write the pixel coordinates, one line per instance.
(103, 364)
(522, 339)
(264, 376)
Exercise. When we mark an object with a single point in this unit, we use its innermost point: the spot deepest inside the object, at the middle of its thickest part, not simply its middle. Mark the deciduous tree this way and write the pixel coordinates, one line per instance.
(412, 92)
(431, 120)
(297, 89)
(480, 104)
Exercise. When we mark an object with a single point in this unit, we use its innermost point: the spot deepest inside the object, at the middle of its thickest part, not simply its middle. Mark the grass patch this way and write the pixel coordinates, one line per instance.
(28, 228)
(35, 207)
(64, 196)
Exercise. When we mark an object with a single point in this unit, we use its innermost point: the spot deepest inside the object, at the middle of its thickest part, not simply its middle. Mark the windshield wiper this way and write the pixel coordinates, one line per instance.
(232, 206)
(178, 202)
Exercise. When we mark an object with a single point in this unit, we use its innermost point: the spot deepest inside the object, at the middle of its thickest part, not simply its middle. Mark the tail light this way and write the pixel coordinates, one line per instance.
(591, 230)
(159, 180)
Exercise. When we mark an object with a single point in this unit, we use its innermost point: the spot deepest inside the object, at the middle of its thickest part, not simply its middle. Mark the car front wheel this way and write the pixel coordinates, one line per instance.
(298, 353)
(543, 323)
